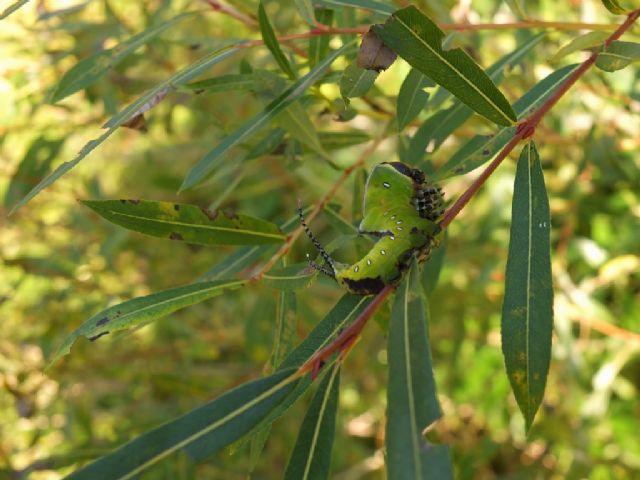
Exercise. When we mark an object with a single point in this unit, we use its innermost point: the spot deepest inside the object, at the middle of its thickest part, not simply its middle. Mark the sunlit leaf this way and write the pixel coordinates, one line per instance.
(252, 126)
(12, 8)
(527, 311)
(270, 40)
(89, 70)
(311, 457)
(142, 310)
(412, 403)
(581, 42)
(618, 56)
(189, 223)
(418, 40)
(201, 432)
(615, 6)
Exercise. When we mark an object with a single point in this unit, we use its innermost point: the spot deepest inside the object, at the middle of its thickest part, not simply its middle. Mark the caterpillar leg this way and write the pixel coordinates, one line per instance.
(327, 269)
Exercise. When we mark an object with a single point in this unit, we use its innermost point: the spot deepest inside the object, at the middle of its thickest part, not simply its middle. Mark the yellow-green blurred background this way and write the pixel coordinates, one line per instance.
(61, 263)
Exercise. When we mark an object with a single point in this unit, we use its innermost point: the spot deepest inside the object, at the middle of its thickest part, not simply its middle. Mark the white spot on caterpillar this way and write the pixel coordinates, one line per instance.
(393, 217)
(356, 268)
(392, 237)
(386, 184)
(399, 229)
(382, 252)
(368, 261)
(398, 222)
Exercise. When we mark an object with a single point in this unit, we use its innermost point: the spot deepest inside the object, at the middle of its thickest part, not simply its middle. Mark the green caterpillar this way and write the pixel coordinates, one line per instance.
(401, 210)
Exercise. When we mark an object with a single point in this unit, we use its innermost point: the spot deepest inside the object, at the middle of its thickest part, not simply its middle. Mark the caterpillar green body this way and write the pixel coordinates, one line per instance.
(401, 210)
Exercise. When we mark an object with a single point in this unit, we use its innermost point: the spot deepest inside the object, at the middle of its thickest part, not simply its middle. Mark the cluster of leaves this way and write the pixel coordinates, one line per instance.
(335, 90)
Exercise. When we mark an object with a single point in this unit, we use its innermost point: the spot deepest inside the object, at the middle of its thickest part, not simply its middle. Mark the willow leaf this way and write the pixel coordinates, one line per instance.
(270, 40)
(412, 404)
(89, 70)
(201, 432)
(482, 148)
(527, 311)
(142, 310)
(189, 223)
(418, 40)
(618, 56)
(311, 456)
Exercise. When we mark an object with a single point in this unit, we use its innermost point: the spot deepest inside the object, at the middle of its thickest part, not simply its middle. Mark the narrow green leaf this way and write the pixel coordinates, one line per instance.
(189, 223)
(615, 6)
(582, 42)
(482, 148)
(356, 81)
(285, 328)
(527, 311)
(437, 128)
(305, 9)
(252, 126)
(342, 314)
(372, 5)
(142, 310)
(412, 403)
(270, 40)
(433, 266)
(202, 431)
(319, 44)
(344, 139)
(89, 70)
(234, 263)
(292, 277)
(412, 98)
(618, 56)
(311, 456)
(124, 115)
(223, 83)
(12, 8)
(418, 40)
(34, 166)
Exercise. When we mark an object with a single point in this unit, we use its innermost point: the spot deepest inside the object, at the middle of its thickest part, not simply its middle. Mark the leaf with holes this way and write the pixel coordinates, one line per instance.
(189, 223)
(527, 310)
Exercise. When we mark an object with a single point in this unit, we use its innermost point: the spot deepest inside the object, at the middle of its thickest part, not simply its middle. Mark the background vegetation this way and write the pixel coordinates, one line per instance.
(62, 263)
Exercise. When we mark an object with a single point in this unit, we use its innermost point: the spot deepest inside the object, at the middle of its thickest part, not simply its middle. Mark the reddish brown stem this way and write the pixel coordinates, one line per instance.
(345, 341)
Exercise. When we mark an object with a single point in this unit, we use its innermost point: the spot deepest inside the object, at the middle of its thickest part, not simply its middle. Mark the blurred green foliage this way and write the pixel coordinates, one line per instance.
(61, 263)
